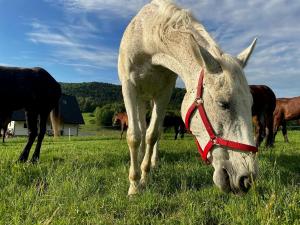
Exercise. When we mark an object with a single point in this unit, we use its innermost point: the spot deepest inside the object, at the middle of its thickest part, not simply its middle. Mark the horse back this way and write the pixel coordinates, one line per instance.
(27, 88)
(290, 107)
(264, 99)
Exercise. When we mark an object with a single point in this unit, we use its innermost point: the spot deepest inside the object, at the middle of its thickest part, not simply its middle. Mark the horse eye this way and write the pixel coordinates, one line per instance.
(224, 105)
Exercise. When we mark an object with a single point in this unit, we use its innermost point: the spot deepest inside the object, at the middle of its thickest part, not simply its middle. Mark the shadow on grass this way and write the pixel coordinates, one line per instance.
(181, 171)
(179, 156)
(289, 166)
(109, 161)
(283, 165)
(58, 160)
(28, 174)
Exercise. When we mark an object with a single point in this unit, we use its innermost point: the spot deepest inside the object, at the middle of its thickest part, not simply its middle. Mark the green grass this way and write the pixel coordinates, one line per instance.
(90, 128)
(85, 181)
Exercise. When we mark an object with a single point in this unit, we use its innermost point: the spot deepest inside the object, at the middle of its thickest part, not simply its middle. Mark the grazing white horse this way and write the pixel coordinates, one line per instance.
(161, 42)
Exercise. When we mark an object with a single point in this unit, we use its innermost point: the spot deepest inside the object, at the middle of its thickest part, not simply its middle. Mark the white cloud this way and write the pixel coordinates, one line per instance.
(71, 45)
(233, 23)
(117, 7)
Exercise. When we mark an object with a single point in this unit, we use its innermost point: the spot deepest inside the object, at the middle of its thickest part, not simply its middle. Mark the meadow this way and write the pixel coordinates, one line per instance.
(84, 180)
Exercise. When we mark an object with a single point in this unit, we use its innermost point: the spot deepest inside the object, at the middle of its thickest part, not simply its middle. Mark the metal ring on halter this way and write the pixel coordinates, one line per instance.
(214, 141)
(199, 101)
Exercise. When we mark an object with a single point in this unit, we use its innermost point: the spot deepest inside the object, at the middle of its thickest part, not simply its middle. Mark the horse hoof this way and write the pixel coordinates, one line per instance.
(144, 180)
(21, 160)
(34, 160)
(154, 165)
(133, 189)
(143, 183)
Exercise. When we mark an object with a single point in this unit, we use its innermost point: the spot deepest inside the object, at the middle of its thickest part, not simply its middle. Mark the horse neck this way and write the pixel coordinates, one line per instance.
(187, 69)
(125, 119)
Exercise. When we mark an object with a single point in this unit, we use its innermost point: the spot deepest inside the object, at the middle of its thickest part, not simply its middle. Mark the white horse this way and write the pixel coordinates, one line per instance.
(161, 42)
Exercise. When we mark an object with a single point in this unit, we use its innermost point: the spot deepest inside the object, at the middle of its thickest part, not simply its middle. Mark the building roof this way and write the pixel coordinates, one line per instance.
(18, 115)
(68, 108)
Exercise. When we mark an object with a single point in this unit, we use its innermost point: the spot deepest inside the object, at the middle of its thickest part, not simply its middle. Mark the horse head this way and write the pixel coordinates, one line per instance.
(218, 113)
(115, 120)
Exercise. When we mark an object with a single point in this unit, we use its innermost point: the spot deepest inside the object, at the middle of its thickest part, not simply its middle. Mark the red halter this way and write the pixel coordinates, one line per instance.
(214, 140)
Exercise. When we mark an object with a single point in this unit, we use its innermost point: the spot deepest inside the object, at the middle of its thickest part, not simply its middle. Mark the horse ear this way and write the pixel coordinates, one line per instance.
(211, 64)
(244, 56)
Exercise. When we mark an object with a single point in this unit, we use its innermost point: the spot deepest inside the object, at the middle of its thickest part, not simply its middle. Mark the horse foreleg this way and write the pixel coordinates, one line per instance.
(43, 124)
(31, 120)
(1, 135)
(275, 129)
(284, 131)
(122, 130)
(182, 131)
(133, 135)
(176, 129)
(269, 131)
(154, 157)
(4, 133)
(153, 134)
(143, 128)
(257, 130)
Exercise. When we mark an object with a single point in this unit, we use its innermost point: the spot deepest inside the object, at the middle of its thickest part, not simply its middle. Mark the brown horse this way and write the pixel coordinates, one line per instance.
(121, 119)
(264, 102)
(286, 109)
(5, 118)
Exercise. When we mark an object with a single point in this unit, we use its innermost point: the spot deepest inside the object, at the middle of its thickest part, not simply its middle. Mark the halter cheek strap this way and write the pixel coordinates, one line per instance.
(214, 139)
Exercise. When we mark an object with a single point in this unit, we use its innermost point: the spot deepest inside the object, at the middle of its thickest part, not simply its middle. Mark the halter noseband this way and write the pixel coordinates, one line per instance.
(214, 139)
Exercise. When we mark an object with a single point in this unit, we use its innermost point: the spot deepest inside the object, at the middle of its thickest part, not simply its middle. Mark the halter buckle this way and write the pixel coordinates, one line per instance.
(214, 141)
(198, 101)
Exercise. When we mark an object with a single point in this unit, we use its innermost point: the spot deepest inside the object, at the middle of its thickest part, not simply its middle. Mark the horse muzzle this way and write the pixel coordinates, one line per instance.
(229, 182)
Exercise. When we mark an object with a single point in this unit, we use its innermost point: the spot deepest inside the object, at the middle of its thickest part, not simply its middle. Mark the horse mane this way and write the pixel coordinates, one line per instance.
(172, 17)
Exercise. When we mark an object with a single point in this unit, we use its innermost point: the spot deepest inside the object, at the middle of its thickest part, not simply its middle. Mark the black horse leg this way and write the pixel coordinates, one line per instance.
(4, 133)
(176, 129)
(258, 133)
(182, 131)
(31, 120)
(275, 129)
(269, 132)
(284, 131)
(122, 131)
(43, 124)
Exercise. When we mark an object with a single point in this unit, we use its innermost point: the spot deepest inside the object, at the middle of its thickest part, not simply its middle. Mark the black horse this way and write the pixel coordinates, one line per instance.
(38, 93)
(172, 120)
(5, 118)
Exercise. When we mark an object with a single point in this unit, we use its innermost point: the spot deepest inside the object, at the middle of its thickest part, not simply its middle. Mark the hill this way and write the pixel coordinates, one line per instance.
(93, 94)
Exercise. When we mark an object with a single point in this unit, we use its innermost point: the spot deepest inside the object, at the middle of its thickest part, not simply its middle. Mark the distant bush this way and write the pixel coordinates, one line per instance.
(92, 121)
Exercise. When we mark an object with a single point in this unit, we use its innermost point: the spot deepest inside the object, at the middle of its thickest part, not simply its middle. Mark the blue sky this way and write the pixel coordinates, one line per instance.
(78, 40)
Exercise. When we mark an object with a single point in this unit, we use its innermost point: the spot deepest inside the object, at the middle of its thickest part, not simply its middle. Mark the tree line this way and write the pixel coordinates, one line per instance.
(95, 94)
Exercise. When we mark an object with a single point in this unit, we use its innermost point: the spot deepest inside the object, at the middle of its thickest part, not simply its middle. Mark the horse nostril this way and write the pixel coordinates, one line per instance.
(245, 183)
(226, 176)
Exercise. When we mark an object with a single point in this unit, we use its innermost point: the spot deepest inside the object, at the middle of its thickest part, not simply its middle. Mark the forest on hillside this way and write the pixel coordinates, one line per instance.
(95, 94)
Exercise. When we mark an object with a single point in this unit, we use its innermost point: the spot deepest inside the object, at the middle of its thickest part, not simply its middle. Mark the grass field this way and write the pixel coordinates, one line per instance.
(84, 181)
